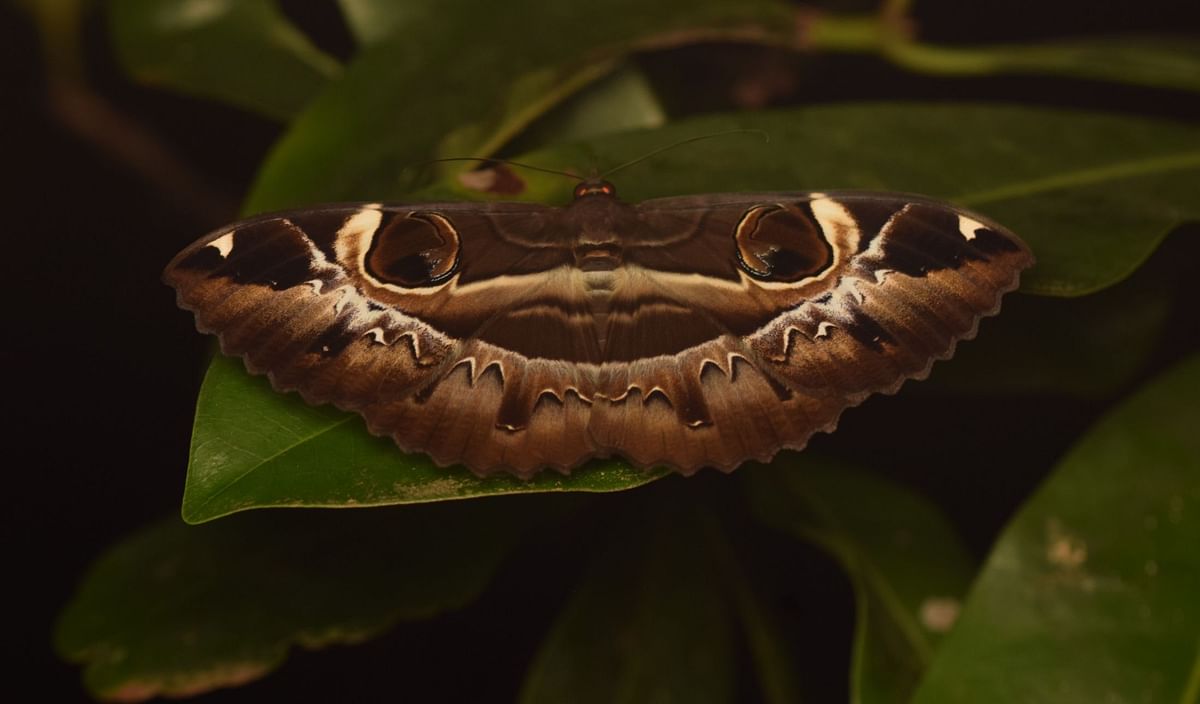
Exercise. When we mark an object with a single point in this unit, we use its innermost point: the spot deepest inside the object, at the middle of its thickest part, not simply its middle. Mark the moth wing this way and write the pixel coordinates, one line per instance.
(814, 302)
(334, 302)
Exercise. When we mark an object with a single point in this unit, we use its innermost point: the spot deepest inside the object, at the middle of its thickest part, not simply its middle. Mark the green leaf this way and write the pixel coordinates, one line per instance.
(1090, 594)
(255, 448)
(177, 610)
(449, 84)
(619, 102)
(243, 53)
(372, 21)
(648, 623)
(908, 568)
(1159, 62)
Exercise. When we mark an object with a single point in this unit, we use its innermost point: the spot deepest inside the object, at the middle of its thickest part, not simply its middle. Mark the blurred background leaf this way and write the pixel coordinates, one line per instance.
(1153, 61)
(1164, 62)
(243, 53)
(448, 83)
(647, 624)
(908, 568)
(177, 610)
(621, 101)
(1090, 593)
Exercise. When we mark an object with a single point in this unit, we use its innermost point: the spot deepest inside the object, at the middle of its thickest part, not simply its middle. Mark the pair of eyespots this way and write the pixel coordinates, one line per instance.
(773, 243)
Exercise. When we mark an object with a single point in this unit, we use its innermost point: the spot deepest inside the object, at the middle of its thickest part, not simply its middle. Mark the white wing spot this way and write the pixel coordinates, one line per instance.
(967, 227)
(364, 222)
(823, 328)
(838, 226)
(223, 244)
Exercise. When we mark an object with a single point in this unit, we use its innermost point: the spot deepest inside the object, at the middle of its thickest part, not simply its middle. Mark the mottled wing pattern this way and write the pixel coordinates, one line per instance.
(688, 332)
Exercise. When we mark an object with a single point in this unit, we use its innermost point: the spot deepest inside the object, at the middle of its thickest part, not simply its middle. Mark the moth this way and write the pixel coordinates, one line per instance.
(691, 331)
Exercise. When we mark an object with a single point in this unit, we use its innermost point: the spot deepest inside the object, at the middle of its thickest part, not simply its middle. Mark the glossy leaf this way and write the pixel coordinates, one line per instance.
(907, 565)
(177, 610)
(647, 624)
(392, 110)
(254, 448)
(244, 53)
(1090, 593)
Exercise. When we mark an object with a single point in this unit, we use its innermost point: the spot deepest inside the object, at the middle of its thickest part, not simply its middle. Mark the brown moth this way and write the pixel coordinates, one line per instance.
(687, 332)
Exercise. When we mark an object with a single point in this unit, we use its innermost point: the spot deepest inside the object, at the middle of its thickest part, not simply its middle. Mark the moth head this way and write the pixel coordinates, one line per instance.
(595, 187)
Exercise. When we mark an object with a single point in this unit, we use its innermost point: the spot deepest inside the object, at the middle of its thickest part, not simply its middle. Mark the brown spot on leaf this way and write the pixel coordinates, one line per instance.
(1063, 549)
(499, 179)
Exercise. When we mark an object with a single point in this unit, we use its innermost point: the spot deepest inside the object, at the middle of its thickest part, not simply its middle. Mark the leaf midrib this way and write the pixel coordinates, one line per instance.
(1084, 177)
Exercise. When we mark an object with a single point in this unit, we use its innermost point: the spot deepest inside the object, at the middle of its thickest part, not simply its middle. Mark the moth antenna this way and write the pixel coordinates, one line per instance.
(762, 133)
(494, 160)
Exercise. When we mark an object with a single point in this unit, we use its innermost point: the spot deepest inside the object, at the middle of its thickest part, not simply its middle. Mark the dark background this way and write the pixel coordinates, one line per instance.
(103, 369)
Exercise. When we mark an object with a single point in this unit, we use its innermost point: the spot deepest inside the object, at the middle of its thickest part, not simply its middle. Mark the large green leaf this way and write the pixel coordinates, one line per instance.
(447, 83)
(647, 624)
(908, 568)
(244, 53)
(177, 609)
(1090, 594)
(252, 448)
(1033, 169)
